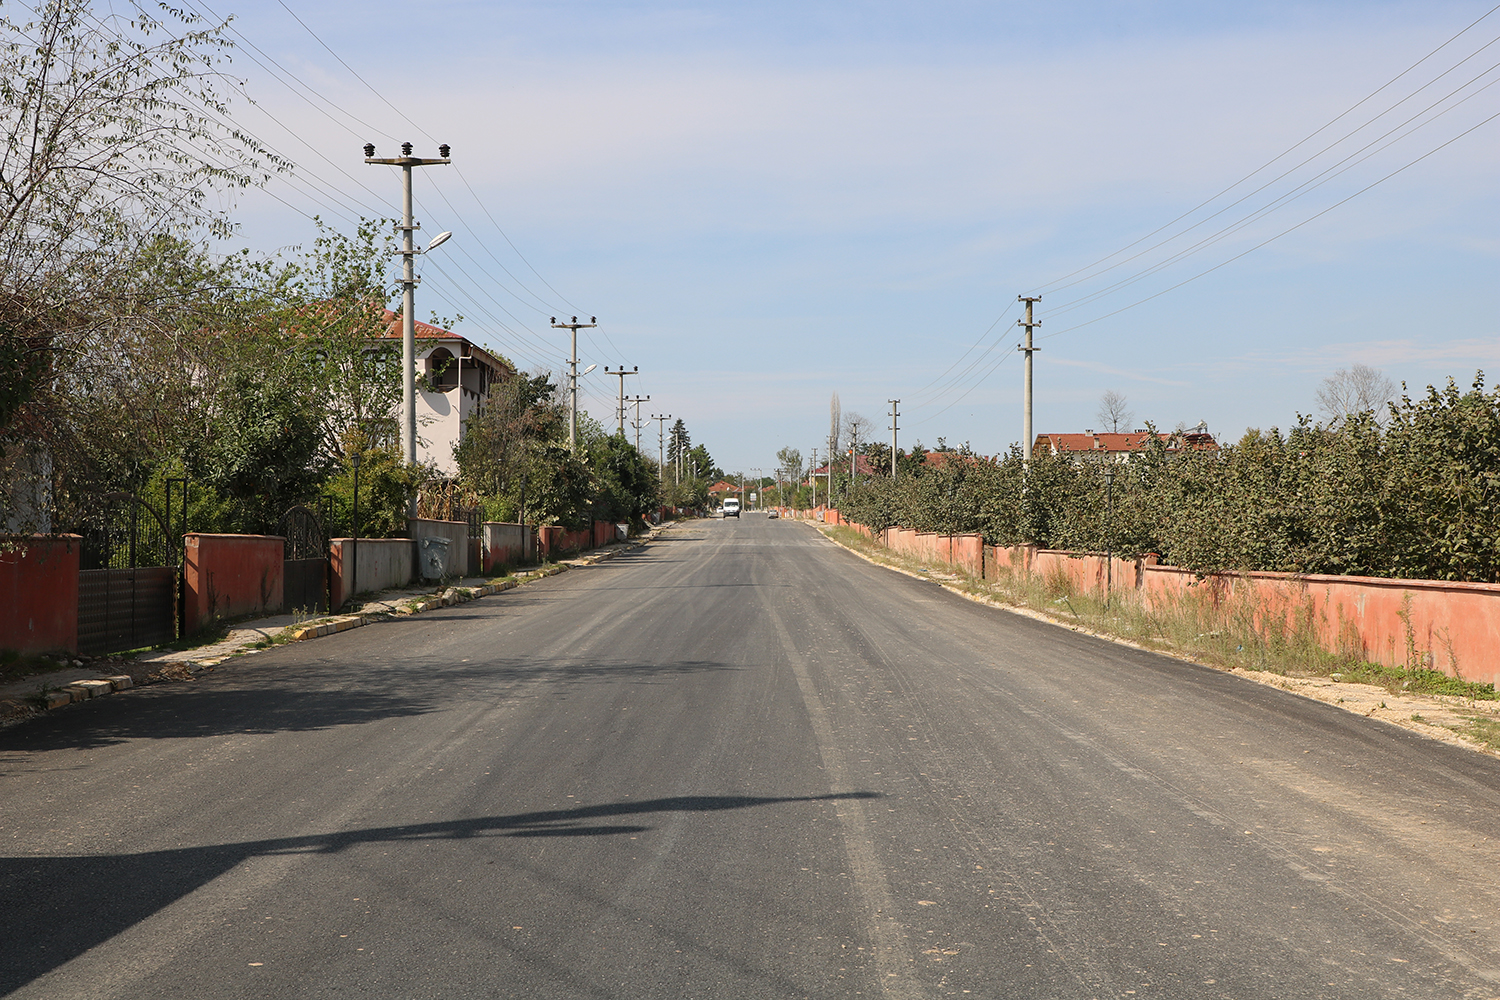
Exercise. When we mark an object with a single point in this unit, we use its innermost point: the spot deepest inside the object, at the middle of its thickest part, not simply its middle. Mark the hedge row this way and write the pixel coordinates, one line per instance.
(1414, 493)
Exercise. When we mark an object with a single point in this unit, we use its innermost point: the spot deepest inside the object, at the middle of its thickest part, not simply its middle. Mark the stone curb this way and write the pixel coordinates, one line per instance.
(99, 687)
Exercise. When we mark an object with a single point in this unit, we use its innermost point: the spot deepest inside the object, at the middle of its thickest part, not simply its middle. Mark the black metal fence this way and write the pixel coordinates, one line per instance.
(128, 576)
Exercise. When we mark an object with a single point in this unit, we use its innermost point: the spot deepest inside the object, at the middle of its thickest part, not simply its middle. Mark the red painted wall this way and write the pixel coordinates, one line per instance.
(557, 541)
(231, 575)
(1452, 627)
(39, 593)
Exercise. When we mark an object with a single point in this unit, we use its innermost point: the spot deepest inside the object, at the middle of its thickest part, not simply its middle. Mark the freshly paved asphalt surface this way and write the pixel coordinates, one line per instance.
(738, 763)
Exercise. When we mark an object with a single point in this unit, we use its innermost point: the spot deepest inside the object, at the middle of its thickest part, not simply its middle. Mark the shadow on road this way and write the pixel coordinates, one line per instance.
(59, 907)
(266, 697)
(187, 711)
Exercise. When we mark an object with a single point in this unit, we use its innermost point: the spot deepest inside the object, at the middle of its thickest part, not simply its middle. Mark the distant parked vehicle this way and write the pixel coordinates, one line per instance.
(773, 512)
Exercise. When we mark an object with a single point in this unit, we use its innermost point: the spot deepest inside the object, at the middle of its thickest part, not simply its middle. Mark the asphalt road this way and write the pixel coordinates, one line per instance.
(739, 763)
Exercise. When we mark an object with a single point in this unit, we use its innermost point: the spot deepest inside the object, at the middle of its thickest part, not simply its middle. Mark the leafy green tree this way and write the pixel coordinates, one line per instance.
(115, 133)
(627, 485)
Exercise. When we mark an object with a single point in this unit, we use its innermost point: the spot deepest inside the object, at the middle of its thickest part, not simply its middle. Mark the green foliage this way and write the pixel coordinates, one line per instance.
(560, 488)
(268, 452)
(699, 458)
(386, 488)
(1419, 497)
(627, 483)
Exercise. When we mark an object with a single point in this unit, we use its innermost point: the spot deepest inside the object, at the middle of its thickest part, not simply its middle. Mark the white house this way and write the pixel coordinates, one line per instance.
(458, 379)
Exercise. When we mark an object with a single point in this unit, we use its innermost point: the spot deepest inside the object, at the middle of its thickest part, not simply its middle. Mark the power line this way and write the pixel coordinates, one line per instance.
(1310, 136)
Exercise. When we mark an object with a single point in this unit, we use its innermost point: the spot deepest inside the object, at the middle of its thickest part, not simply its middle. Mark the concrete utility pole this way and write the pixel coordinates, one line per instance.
(853, 456)
(1028, 323)
(409, 280)
(812, 476)
(637, 423)
(830, 469)
(575, 326)
(894, 415)
(661, 444)
(680, 447)
(620, 412)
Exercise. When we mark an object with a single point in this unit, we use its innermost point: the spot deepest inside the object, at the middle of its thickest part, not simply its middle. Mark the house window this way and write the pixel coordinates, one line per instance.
(442, 369)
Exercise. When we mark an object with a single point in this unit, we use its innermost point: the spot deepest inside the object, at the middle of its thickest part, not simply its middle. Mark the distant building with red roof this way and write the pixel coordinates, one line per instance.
(722, 489)
(1119, 446)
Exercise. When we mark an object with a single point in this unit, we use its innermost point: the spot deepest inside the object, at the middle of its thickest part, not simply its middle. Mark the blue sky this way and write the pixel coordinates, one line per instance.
(768, 203)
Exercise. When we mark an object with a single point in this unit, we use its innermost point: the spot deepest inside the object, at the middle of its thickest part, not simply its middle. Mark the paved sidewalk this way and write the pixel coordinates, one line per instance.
(83, 679)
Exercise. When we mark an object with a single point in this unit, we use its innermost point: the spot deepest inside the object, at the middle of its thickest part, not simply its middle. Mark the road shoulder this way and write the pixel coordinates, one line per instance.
(1438, 717)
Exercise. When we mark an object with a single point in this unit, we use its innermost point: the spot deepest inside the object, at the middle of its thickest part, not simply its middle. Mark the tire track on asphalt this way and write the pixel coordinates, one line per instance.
(888, 938)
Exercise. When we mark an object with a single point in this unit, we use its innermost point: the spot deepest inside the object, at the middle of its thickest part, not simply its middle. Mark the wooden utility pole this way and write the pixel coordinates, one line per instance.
(1028, 323)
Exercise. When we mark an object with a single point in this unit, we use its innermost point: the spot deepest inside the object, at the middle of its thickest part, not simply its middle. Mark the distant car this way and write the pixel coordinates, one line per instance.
(773, 512)
(731, 507)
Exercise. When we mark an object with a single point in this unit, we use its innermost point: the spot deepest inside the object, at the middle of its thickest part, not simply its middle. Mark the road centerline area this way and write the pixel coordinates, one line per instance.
(738, 762)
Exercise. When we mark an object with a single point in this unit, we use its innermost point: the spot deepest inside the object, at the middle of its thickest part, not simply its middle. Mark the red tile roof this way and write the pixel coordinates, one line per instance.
(1115, 443)
(419, 328)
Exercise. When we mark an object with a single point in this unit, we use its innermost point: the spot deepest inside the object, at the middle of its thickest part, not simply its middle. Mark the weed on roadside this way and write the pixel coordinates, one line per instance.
(1481, 729)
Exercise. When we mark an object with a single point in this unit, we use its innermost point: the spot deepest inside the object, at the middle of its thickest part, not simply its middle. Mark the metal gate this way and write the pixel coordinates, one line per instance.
(475, 517)
(127, 577)
(305, 561)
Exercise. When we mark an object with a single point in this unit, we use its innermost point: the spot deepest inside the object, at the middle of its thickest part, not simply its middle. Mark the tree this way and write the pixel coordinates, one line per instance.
(1358, 389)
(115, 137)
(499, 449)
(789, 465)
(859, 429)
(1113, 412)
(628, 487)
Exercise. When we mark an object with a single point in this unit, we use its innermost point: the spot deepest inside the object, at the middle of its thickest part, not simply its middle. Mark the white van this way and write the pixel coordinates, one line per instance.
(732, 507)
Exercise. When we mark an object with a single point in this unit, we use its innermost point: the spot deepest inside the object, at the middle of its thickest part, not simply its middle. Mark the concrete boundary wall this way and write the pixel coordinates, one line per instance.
(1447, 626)
(225, 576)
(383, 563)
(507, 544)
(39, 593)
(554, 540)
(457, 534)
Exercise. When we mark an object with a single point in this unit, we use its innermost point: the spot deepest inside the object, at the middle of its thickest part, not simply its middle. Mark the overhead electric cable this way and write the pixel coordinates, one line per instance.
(1315, 181)
(1284, 232)
(1307, 186)
(1283, 153)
